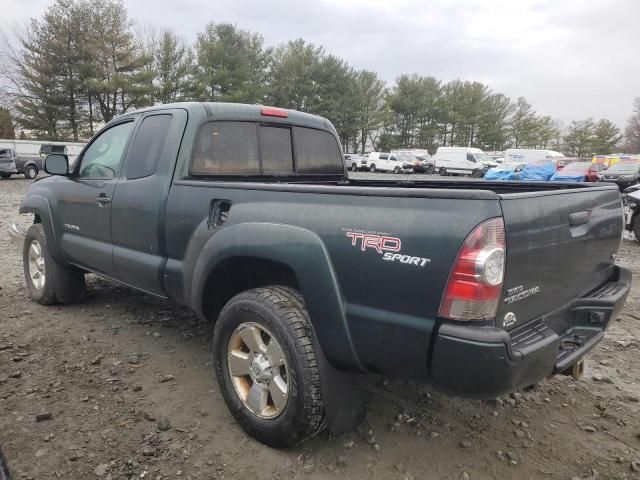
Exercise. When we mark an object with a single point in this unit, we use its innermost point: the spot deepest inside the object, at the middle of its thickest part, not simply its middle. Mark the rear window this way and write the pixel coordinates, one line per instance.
(247, 148)
(226, 148)
(317, 152)
(275, 145)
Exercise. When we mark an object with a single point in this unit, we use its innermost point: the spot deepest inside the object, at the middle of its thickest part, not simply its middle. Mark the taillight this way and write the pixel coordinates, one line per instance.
(274, 112)
(475, 282)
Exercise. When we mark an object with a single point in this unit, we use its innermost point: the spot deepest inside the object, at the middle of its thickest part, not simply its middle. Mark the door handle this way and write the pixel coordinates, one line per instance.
(103, 200)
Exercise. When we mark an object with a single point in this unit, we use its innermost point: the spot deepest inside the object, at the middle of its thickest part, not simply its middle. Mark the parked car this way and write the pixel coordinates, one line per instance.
(631, 201)
(255, 225)
(579, 172)
(506, 171)
(12, 164)
(353, 161)
(388, 162)
(412, 163)
(462, 160)
(623, 174)
(426, 164)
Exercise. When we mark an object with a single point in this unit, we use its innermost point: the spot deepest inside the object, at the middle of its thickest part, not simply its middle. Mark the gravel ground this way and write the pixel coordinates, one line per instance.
(120, 387)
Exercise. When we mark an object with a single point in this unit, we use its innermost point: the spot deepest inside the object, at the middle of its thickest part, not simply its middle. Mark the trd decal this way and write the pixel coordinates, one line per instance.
(387, 246)
(518, 293)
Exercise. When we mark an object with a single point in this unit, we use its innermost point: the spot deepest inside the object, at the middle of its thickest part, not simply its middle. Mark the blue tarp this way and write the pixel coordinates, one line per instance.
(501, 174)
(537, 173)
(559, 176)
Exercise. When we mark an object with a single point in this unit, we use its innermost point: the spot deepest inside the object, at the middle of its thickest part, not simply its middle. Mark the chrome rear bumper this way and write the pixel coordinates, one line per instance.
(17, 234)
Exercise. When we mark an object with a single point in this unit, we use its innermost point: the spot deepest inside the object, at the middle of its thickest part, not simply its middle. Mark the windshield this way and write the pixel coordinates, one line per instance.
(482, 157)
(577, 167)
(625, 167)
(406, 158)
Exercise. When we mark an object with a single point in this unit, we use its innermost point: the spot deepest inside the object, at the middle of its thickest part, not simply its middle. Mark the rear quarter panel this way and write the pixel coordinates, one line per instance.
(391, 307)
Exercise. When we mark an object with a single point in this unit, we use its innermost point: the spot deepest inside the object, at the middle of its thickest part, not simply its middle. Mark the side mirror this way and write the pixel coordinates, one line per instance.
(56, 164)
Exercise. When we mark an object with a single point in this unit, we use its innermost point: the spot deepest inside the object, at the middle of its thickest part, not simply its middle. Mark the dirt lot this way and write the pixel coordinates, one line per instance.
(124, 390)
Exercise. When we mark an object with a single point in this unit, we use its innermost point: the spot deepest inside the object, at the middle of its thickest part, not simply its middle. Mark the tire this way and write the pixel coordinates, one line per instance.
(31, 172)
(443, 172)
(5, 175)
(51, 281)
(372, 168)
(476, 173)
(397, 170)
(430, 169)
(279, 314)
(354, 168)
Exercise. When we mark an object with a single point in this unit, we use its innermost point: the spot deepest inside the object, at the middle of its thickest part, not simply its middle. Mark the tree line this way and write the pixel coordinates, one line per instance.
(82, 63)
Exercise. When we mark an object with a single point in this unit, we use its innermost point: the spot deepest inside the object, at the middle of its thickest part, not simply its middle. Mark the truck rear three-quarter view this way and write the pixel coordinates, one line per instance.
(245, 214)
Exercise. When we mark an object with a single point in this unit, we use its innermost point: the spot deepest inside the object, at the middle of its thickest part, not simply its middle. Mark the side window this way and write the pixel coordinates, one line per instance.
(384, 156)
(275, 146)
(470, 157)
(145, 149)
(317, 152)
(103, 157)
(393, 158)
(226, 148)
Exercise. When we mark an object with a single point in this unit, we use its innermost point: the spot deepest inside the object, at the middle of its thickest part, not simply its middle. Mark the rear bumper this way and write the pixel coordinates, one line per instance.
(485, 362)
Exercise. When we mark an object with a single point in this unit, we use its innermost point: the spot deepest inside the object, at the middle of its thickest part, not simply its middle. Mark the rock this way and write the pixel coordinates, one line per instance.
(133, 359)
(589, 428)
(465, 476)
(635, 466)
(202, 412)
(41, 453)
(348, 445)
(519, 433)
(465, 444)
(17, 374)
(512, 456)
(166, 378)
(148, 451)
(510, 401)
(41, 417)
(375, 447)
(632, 398)
(164, 424)
(136, 388)
(97, 359)
(395, 427)
(149, 416)
(434, 435)
(156, 335)
(341, 461)
(101, 470)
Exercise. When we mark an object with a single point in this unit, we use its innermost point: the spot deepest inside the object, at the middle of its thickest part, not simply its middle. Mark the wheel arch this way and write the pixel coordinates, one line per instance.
(256, 254)
(40, 207)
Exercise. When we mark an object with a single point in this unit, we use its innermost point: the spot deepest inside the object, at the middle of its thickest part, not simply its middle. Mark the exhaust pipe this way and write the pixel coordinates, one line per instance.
(17, 235)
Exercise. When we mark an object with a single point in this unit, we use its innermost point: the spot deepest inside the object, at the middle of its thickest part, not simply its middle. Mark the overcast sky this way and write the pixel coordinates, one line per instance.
(570, 59)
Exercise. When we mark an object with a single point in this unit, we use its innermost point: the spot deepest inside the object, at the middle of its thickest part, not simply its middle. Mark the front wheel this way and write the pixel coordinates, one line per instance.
(354, 168)
(443, 172)
(48, 281)
(31, 172)
(266, 366)
(430, 169)
(476, 173)
(372, 168)
(397, 170)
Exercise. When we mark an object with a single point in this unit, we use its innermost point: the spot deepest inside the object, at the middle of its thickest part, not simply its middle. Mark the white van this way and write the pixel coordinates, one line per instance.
(531, 156)
(388, 162)
(462, 160)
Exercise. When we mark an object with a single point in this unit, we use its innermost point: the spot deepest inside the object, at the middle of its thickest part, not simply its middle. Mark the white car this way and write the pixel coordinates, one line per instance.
(388, 162)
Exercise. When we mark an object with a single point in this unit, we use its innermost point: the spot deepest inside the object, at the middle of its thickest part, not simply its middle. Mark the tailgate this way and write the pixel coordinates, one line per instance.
(560, 246)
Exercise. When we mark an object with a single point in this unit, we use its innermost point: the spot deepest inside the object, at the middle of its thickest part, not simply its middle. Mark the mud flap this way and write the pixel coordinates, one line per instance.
(342, 394)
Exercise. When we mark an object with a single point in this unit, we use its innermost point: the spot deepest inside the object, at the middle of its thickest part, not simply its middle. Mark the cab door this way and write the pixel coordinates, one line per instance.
(84, 200)
(139, 200)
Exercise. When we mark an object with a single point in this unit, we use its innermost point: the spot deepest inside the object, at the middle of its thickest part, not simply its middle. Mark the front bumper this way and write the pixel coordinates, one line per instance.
(485, 362)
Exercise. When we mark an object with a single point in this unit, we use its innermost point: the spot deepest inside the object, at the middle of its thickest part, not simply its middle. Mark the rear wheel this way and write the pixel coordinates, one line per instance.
(372, 168)
(31, 172)
(476, 173)
(397, 170)
(266, 366)
(443, 172)
(48, 281)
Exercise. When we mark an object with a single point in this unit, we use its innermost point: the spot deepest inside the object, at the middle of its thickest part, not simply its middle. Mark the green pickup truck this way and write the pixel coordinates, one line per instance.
(246, 214)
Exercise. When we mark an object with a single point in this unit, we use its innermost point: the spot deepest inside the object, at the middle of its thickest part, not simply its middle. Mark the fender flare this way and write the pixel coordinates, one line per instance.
(304, 252)
(40, 206)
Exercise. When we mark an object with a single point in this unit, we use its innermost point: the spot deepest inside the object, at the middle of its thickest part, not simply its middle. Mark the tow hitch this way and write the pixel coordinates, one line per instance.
(577, 370)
